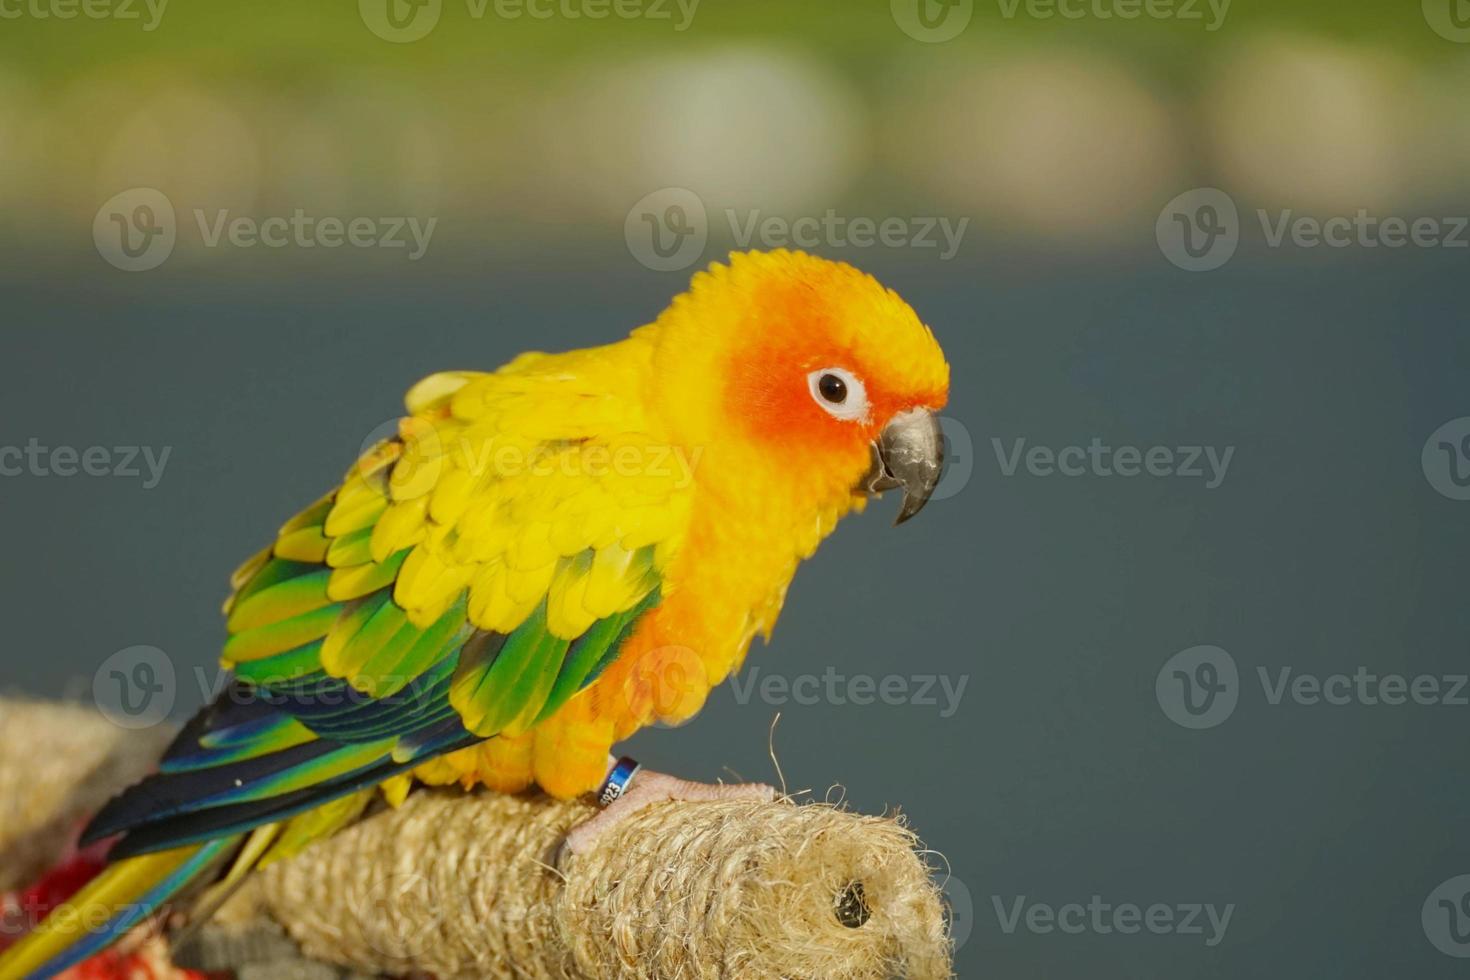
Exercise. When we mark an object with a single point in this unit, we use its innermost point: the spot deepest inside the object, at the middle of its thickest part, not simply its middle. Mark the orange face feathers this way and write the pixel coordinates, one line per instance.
(768, 334)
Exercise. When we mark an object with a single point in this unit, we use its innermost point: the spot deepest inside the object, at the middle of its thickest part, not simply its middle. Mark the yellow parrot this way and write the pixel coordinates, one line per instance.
(546, 558)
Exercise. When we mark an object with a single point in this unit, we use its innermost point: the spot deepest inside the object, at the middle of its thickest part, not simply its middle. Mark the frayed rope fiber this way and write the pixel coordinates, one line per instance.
(460, 885)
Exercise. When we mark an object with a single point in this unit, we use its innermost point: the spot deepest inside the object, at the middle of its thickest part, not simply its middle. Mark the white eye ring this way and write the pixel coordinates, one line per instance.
(839, 392)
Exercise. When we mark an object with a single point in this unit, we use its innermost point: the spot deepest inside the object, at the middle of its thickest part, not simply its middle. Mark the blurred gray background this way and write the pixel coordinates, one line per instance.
(1035, 731)
(1055, 600)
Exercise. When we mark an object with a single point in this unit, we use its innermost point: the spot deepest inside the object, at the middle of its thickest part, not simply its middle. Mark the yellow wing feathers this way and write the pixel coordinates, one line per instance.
(504, 490)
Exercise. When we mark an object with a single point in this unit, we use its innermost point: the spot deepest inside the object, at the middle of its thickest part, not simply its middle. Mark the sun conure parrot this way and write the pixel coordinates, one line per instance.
(546, 558)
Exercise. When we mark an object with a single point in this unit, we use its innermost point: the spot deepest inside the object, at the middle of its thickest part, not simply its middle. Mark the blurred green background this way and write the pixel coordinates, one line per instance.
(536, 145)
(1057, 130)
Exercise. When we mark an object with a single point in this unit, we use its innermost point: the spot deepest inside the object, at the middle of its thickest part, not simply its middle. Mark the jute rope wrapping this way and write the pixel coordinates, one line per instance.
(58, 763)
(461, 886)
(470, 885)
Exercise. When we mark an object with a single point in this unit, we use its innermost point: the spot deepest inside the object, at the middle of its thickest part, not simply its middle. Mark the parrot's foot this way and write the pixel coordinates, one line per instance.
(648, 788)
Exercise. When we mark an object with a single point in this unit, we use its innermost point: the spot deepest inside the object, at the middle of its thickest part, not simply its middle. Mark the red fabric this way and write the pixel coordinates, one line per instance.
(23, 908)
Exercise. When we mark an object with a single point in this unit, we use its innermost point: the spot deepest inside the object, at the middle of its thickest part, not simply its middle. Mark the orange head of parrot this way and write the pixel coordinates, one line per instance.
(813, 379)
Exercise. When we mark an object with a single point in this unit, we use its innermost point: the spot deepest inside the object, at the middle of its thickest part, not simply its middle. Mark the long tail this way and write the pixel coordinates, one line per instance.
(122, 896)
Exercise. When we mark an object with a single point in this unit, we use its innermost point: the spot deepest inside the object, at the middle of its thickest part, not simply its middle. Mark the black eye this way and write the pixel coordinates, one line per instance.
(833, 388)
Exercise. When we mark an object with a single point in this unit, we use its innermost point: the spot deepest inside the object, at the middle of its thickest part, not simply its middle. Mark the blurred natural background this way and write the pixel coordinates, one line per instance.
(1045, 130)
(538, 156)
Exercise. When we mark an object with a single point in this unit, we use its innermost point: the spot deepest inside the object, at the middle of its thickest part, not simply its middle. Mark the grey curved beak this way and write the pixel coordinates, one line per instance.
(909, 453)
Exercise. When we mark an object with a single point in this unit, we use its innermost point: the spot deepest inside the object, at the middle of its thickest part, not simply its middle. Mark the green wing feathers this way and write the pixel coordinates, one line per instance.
(464, 581)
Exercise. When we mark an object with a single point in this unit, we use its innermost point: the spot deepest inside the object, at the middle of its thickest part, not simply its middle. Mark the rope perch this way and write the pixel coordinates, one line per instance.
(464, 885)
(44, 796)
